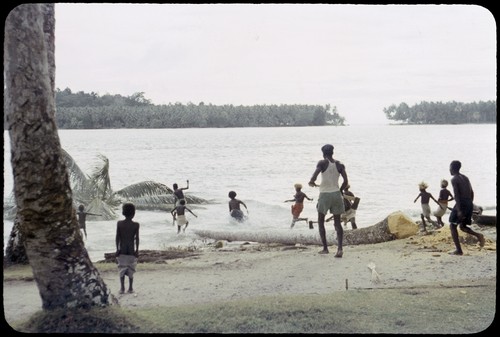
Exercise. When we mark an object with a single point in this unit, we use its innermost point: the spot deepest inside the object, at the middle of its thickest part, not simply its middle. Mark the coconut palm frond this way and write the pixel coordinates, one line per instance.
(95, 193)
(154, 202)
(191, 199)
(100, 176)
(103, 208)
(144, 188)
(77, 177)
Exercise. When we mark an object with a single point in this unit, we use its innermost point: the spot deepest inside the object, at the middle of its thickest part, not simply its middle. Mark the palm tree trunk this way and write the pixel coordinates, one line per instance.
(61, 266)
(395, 226)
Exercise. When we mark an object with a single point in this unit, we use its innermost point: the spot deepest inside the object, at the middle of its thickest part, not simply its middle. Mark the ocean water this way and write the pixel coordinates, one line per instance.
(384, 163)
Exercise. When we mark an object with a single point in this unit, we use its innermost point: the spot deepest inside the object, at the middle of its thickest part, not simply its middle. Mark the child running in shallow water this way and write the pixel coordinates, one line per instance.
(82, 218)
(297, 208)
(234, 207)
(179, 213)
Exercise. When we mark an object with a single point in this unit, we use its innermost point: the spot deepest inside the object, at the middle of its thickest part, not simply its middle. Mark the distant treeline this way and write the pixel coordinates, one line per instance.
(443, 113)
(90, 111)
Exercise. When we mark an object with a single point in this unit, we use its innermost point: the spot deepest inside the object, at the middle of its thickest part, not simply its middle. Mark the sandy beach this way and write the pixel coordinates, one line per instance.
(246, 270)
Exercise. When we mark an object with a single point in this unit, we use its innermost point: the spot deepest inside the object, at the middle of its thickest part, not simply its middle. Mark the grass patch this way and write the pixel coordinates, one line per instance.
(427, 310)
(438, 310)
(95, 320)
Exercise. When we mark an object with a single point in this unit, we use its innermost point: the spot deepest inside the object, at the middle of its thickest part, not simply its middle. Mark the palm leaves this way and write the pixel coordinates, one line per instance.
(96, 194)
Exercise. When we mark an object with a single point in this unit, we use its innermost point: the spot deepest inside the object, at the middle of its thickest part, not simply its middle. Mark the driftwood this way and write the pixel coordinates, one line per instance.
(156, 256)
(374, 234)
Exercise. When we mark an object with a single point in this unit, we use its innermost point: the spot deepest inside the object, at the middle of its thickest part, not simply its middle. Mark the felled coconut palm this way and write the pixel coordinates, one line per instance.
(96, 193)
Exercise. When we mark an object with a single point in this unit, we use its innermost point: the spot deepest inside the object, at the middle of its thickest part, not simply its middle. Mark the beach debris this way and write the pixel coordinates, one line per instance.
(375, 275)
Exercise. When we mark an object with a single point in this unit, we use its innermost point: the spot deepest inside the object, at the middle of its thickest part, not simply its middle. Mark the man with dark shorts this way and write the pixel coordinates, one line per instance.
(330, 195)
(461, 214)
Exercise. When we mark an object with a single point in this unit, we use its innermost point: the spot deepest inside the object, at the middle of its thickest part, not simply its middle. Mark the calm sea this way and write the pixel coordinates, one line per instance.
(385, 164)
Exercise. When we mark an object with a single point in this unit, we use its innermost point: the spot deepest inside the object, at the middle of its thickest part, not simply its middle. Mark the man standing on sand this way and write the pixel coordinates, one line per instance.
(330, 195)
(461, 214)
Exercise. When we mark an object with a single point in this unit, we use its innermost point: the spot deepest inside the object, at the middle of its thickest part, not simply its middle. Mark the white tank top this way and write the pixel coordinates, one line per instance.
(330, 179)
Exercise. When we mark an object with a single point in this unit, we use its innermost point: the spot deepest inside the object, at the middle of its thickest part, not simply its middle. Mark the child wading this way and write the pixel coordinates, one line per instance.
(179, 213)
(82, 218)
(234, 207)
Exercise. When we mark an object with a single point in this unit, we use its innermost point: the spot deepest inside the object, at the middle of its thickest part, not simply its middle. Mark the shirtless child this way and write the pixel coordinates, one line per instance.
(179, 213)
(445, 196)
(234, 206)
(127, 246)
(426, 209)
(297, 208)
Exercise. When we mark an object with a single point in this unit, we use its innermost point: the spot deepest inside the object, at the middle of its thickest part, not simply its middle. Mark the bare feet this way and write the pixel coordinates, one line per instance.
(324, 251)
(339, 253)
(130, 291)
(122, 291)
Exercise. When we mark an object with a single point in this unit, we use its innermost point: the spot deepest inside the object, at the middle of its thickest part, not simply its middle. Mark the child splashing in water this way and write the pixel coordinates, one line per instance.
(234, 207)
(179, 213)
(297, 208)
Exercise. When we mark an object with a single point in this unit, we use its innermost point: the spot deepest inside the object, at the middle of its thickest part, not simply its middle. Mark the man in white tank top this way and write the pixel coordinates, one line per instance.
(330, 195)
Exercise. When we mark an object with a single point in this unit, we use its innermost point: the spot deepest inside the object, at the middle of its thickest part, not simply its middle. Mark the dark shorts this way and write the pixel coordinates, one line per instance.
(237, 214)
(330, 201)
(466, 209)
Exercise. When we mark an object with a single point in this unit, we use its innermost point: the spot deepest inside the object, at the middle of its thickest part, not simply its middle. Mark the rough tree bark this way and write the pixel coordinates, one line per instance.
(395, 226)
(65, 276)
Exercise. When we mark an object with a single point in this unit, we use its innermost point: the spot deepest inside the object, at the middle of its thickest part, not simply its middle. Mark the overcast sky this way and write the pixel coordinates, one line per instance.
(359, 58)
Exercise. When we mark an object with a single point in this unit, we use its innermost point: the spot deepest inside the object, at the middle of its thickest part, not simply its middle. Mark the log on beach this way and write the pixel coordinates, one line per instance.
(395, 226)
(285, 238)
(486, 220)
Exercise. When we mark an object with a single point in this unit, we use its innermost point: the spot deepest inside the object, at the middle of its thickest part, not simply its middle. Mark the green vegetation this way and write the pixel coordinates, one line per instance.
(443, 113)
(91, 111)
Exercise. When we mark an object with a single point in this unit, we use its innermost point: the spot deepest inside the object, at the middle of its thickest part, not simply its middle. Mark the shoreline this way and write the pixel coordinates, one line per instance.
(242, 270)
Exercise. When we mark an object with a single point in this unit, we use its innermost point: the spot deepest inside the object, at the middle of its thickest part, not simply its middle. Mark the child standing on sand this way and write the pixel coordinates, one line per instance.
(297, 208)
(127, 233)
(426, 209)
(179, 212)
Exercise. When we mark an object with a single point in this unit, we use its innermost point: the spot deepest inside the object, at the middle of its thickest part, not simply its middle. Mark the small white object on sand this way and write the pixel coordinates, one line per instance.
(375, 275)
